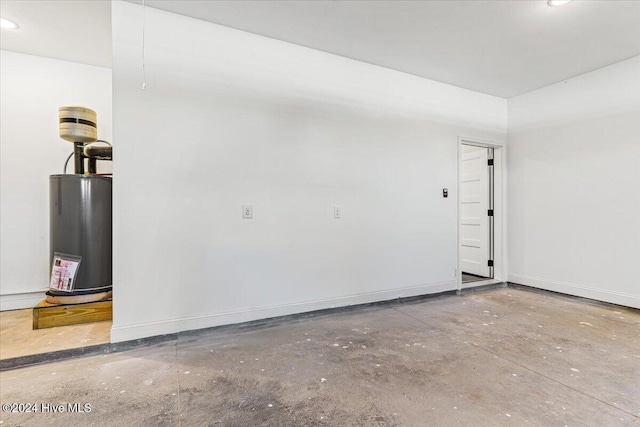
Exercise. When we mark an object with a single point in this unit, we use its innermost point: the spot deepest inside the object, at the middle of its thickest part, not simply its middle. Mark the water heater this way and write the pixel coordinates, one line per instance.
(80, 223)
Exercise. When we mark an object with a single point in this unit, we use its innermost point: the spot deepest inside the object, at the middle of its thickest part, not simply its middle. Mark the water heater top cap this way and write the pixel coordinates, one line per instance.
(78, 124)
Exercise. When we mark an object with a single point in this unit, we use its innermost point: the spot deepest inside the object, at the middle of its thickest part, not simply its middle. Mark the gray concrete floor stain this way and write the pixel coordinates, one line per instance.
(500, 357)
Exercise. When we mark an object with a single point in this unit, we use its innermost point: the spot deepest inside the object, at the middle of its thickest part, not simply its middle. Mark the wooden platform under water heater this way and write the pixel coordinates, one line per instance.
(47, 315)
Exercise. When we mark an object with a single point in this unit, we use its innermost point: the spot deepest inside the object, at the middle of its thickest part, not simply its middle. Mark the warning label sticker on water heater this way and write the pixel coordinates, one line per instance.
(63, 272)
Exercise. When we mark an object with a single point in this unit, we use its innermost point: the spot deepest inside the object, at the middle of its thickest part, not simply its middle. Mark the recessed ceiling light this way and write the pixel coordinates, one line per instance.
(7, 24)
(557, 2)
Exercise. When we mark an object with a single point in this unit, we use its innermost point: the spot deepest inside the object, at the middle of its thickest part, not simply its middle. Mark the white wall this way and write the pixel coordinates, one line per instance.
(30, 150)
(230, 118)
(574, 186)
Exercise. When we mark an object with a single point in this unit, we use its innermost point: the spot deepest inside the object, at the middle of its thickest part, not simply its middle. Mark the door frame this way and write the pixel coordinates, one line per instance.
(499, 207)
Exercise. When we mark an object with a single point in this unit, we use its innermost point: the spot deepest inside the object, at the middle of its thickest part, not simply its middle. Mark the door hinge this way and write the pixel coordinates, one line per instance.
(490, 212)
(490, 162)
(490, 263)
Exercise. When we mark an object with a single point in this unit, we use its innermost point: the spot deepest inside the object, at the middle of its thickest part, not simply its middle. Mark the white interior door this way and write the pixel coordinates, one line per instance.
(474, 204)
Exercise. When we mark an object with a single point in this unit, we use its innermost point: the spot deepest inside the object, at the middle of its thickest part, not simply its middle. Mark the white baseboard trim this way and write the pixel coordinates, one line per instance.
(21, 300)
(619, 298)
(175, 325)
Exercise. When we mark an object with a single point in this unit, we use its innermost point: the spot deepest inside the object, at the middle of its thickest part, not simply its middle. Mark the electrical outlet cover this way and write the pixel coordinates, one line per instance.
(247, 212)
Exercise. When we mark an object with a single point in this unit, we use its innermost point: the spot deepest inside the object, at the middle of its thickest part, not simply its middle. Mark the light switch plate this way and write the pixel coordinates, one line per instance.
(247, 212)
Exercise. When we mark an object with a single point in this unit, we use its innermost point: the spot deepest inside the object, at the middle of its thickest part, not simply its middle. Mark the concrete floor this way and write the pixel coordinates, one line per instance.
(501, 357)
(470, 278)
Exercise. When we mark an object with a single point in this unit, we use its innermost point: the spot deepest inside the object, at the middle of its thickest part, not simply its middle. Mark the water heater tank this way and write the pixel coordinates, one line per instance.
(80, 226)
